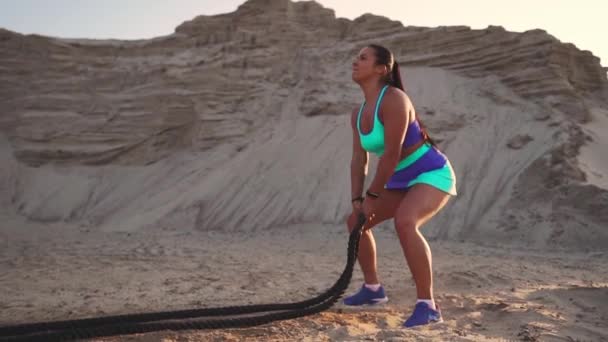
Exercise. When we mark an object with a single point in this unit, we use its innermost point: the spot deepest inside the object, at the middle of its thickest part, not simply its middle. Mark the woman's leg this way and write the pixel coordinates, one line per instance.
(387, 204)
(420, 204)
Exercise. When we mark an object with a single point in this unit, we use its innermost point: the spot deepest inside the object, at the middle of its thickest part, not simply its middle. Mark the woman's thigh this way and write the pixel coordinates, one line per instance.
(386, 206)
(419, 205)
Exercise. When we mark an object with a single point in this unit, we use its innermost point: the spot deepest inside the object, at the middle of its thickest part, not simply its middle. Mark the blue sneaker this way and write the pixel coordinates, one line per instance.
(366, 296)
(422, 315)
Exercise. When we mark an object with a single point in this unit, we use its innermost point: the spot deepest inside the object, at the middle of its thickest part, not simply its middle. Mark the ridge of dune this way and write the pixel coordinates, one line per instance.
(239, 121)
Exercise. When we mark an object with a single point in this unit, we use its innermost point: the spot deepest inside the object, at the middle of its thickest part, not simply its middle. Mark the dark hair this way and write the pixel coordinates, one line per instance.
(385, 57)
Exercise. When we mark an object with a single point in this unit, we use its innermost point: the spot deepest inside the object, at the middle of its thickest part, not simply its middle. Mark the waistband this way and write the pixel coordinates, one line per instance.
(414, 156)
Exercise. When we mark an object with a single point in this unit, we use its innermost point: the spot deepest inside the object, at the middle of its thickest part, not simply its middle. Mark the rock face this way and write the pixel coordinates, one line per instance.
(240, 122)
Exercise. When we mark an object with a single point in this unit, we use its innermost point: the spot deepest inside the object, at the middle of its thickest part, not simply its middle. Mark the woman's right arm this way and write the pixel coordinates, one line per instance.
(358, 163)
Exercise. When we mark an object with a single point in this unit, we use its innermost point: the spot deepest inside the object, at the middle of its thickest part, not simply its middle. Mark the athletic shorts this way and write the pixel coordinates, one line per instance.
(426, 165)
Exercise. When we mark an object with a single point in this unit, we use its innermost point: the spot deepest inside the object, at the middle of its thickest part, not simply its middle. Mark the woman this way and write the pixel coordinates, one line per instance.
(413, 180)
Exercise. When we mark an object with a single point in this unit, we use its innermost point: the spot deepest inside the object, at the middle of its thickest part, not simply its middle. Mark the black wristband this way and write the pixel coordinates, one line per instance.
(360, 199)
(372, 194)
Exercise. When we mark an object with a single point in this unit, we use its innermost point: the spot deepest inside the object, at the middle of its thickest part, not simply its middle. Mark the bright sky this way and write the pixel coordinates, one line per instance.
(582, 22)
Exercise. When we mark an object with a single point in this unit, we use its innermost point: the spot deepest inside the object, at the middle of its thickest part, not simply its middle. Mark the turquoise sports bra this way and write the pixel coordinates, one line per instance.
(374, 140)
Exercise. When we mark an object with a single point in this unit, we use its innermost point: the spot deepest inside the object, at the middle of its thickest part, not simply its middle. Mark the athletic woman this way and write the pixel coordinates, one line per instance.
(412, 182)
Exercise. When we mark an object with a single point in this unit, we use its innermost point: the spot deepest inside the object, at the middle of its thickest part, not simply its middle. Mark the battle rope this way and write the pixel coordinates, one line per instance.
(140, 323)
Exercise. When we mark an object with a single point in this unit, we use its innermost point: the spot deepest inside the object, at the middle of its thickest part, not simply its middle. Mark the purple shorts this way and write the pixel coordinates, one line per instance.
(425, 165)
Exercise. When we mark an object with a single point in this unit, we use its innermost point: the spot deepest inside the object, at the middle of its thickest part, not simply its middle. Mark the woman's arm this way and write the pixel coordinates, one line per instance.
(358, 163)
(395, 113)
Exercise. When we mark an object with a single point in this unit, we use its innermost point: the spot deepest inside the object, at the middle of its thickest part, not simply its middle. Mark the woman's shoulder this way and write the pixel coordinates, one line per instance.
(395, 98)
(396, 94)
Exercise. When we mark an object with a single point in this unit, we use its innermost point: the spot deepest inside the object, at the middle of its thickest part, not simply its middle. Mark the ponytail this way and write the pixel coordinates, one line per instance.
(396, 77)
(397, 83)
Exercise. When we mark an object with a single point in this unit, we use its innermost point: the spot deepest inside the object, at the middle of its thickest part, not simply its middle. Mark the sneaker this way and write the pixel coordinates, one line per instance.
(366, 296)
(423, 314)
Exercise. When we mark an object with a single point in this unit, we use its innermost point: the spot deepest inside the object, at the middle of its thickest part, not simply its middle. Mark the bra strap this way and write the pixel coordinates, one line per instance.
(380, 100)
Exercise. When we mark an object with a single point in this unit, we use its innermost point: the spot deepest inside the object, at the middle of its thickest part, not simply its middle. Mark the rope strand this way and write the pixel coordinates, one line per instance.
(148, 322)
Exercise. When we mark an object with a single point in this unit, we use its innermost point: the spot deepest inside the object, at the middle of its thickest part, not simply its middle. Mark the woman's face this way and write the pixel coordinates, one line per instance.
(364, 66)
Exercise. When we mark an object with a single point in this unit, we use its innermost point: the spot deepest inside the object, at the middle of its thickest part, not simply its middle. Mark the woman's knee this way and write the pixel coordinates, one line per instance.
(353, 220)
(406, 223)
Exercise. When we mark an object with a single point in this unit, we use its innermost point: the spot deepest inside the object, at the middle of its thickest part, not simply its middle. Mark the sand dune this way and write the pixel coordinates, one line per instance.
(210, 167)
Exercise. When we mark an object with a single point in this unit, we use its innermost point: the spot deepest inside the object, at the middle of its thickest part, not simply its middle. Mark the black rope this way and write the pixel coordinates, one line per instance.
(139, 328)
(140, 323)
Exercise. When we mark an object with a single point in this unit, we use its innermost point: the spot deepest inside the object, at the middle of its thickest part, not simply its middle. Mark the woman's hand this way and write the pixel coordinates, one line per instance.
(369, 209)
(353, 217)
(357, 206)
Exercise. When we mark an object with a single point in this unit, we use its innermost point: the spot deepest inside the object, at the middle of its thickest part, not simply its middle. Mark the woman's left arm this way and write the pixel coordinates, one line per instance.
(395, 113)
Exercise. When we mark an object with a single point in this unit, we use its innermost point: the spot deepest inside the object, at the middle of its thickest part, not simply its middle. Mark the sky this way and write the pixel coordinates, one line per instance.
(583, 22)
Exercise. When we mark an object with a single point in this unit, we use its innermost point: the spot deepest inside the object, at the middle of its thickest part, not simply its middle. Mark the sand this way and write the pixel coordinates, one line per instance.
(57, 272)
(140, 176)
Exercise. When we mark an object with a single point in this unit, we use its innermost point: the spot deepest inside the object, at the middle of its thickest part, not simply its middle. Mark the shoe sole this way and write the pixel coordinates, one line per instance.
(379, 301)
(432, 323)
(375, 303)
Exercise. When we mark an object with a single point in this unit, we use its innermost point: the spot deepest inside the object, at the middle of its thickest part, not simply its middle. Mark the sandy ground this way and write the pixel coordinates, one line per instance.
(54, 272)
(180, 185)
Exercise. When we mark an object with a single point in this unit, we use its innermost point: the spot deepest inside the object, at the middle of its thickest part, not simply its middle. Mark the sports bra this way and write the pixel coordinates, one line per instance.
(374, 140)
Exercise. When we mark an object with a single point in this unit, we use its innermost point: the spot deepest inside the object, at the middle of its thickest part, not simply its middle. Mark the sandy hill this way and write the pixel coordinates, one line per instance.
(239, 122)
(210, 167)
